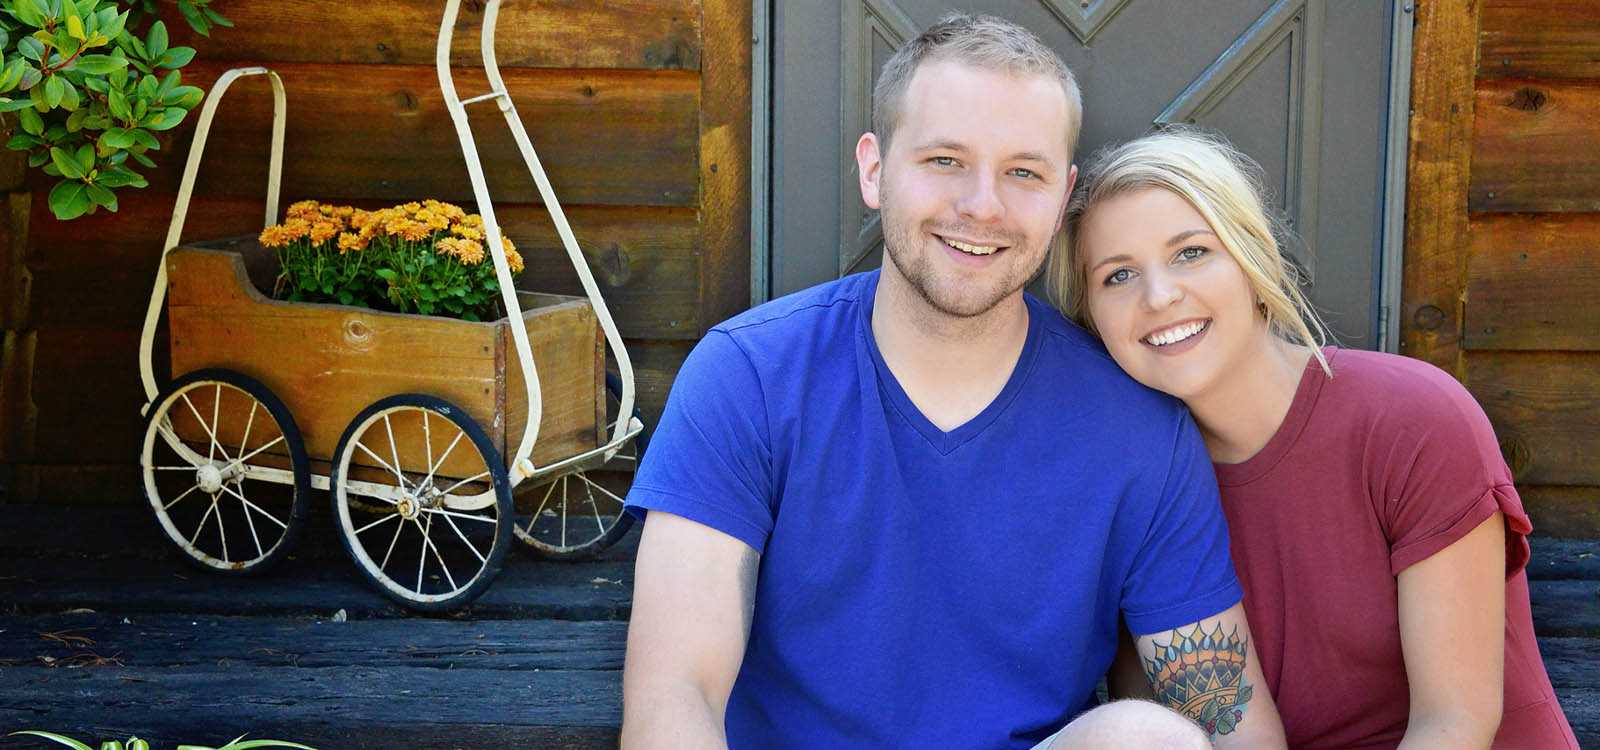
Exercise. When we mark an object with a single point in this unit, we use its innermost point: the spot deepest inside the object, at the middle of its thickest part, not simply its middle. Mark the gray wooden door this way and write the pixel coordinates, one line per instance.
(1300, 85)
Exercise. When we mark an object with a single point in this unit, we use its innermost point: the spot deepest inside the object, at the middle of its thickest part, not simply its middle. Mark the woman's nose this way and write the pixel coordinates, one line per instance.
(1162, 291)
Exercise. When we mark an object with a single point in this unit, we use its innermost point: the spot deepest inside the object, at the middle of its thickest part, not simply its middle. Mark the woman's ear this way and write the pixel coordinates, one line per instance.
(869, 168)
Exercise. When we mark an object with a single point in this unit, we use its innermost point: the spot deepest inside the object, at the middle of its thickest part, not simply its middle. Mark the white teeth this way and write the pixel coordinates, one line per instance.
(970, 249)
(1175, 334)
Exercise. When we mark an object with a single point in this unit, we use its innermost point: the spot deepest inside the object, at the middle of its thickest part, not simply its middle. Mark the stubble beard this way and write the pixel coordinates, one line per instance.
(953, 297)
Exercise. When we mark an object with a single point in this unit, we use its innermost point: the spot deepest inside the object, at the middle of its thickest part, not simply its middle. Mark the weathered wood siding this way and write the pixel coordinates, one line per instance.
(1502, 278)
(640, 112)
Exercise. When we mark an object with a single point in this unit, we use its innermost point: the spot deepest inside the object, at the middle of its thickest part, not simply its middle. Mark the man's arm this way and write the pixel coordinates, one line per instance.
(693, 598)
(1208, 671)
(1452, 634)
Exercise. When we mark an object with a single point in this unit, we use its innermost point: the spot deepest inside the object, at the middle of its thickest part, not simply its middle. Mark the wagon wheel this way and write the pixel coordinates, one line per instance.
(225, 471)
(577, 516)
(447, 524)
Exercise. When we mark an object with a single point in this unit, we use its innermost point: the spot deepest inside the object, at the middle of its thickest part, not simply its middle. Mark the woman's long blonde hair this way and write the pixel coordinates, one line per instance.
(1225, 187)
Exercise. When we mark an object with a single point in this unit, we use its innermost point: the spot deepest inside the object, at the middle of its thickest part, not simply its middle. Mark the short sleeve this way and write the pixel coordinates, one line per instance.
(709, 459)
(1183, 572)
(1444, 476)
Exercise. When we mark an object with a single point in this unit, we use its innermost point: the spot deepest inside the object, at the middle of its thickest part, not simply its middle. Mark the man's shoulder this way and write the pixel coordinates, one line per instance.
(830, 302)
(1077, 361)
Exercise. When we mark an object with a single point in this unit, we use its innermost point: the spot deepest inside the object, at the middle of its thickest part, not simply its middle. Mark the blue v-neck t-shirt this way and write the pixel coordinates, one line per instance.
(924, 588)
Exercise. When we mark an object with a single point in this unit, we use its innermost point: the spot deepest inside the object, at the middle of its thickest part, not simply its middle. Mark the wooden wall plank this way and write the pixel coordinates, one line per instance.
(1534, 282)
(1571, 512)
(381, 131)
(1536, 146)
(1445, 46)
(646, 260)
(725, 161)
(1539, 38)
(1545, 407)
(653, 34)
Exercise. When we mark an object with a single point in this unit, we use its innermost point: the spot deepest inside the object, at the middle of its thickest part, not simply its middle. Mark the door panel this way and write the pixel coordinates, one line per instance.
(1300, 85)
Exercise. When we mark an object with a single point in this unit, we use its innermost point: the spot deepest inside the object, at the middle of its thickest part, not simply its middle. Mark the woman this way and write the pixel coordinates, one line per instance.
(1374, 524)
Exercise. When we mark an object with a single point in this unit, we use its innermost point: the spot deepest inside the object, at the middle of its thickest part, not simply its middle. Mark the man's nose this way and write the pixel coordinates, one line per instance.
(980, 201)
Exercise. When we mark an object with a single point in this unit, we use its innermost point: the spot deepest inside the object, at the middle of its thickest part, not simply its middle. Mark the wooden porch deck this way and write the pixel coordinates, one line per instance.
(104, 634)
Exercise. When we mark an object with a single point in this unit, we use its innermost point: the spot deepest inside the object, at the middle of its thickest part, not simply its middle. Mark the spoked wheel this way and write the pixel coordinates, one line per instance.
(422, 502)
(578, 515)
(225, 471)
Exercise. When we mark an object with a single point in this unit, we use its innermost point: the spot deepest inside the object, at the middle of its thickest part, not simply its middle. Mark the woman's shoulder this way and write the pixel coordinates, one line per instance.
(1396, 388)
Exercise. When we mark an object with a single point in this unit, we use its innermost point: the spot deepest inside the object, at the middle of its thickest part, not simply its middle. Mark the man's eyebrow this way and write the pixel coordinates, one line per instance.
(1186, 234)
(941, 145)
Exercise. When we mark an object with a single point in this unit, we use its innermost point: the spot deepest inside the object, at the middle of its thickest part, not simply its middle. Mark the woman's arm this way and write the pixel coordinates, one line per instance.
(1452, 634)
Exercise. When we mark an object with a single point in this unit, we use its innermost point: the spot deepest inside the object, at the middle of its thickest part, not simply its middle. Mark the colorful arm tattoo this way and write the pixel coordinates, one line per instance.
(1201, 675)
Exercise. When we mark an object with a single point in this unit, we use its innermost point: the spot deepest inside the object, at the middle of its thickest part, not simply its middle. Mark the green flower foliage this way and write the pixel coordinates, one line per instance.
(134, 743)
(89, 94)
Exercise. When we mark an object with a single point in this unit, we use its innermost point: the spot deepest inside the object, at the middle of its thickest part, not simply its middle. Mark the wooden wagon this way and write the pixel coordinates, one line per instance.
(419, 427)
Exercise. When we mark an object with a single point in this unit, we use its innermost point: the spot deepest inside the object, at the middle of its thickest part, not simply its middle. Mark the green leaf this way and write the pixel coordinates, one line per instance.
(184, 96)
(38, 158)
(116, 138)
(142, 159)
(30, 77)
(31, 121)
(76, 119)
(116, 177)
(196, 19)
(23, 142)
(31, 48)
(68, 741)
(53, 91)
(387, 274)
(70, 99)
(30, 12)
(99, 65)
(218, 18)
(176, 57)
(166, 119)
(111, 745)
(118, 103)
(155, 43)
(39, 95)
(67, 164)
(115, 27)
(148, 85)
(11, 75)
(75, 27)
(8, 104)
(85, 158)
(142, 137)
(103, 197)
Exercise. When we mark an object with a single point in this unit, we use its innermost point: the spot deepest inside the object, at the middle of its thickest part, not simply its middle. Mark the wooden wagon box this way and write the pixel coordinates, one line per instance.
(328, 362)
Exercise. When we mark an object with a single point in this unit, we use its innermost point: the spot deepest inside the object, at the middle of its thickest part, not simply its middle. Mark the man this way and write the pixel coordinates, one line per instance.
(908, 508)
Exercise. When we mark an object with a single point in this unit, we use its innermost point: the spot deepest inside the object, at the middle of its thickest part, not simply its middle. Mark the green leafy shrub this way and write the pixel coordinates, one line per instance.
(134, 743)
(426, 258)
(89, 94)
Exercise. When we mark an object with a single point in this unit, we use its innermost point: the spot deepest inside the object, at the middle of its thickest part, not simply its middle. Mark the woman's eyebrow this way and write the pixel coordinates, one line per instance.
(1113, 259)
(1186, 234)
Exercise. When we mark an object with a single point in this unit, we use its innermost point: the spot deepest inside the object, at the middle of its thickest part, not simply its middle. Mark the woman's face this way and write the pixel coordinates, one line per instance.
(1172, 305)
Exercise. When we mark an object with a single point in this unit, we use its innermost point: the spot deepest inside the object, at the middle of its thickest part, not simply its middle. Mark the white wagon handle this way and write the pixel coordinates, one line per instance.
(520, 463)
(186, 189)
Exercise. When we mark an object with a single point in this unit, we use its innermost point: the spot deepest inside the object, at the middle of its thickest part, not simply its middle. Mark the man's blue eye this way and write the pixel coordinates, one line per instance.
(1020, 172)
(943, 161)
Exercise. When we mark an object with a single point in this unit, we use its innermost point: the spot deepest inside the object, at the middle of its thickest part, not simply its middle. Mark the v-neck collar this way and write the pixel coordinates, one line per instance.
(942, 441)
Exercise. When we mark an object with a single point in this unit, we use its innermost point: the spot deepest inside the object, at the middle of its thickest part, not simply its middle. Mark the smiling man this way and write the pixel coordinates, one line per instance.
(909, 508)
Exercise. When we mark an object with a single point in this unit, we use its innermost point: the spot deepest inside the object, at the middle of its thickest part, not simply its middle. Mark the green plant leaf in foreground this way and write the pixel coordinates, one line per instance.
(70, 199)
(68, 741)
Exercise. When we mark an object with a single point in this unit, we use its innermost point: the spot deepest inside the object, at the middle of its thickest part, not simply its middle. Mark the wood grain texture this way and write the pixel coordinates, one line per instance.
(1539, 38)
(1443, 55)
(1566, 512)
(725, 161)
(646, 260)
(328, 362)
(1534, 282)
(1545, 407)
(1536, 146)
(644, 34)
(381, 131)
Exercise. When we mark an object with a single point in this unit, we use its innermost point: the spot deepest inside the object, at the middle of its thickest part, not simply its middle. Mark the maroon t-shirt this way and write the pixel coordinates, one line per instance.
(1371, 472)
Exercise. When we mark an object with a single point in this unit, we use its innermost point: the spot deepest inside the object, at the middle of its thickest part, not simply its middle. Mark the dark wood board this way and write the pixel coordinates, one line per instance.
(1536, 146)
(1572, 512)
(1545, 407)
(644, 34)
(725, 161)
(1534, 282)
(1539, 39)
(605, 137)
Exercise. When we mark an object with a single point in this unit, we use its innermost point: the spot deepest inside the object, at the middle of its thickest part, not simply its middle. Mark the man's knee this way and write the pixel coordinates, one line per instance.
(1132, 724)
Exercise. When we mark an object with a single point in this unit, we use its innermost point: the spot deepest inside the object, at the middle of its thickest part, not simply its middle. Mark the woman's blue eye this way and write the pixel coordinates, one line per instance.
(1119, 276)
(1192, 253)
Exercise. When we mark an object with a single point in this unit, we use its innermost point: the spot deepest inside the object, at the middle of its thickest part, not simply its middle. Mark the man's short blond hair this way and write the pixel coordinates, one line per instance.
(986, 42)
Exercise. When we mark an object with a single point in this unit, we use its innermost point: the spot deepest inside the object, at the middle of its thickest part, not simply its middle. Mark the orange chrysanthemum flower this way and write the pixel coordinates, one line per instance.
(471, 233)
(301, 209)
(323, 231)
(348, 242)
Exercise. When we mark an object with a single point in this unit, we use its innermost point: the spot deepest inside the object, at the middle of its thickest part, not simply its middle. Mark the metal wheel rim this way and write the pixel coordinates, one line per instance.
(382, 419)
(222, 458)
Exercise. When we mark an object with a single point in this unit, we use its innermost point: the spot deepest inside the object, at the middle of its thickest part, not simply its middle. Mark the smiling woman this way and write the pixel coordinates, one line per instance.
(1414, 534)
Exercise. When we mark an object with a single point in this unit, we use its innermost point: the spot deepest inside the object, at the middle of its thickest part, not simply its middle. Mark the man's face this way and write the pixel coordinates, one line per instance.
(973, 185)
